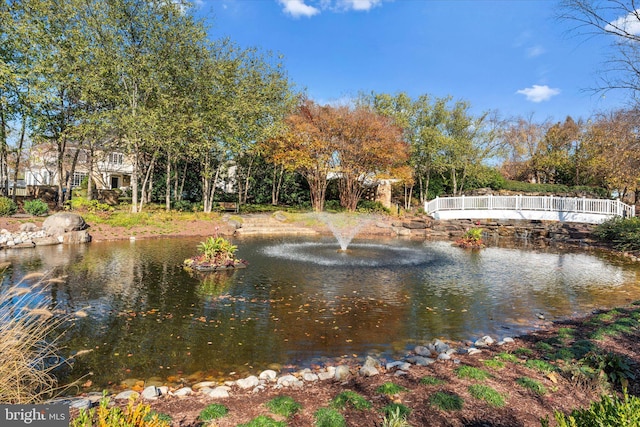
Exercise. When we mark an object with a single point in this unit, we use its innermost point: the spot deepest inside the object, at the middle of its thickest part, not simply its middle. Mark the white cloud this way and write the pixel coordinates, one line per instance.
(629, 24)
(359, 4)
(534, 51)
(537, 93)
(297, 8)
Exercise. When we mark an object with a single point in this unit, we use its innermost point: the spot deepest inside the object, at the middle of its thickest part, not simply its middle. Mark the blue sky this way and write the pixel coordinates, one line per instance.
(513, 56)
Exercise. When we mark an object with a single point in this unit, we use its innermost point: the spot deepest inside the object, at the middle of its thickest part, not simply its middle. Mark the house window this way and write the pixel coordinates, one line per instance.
(78, 177)
(116, 158)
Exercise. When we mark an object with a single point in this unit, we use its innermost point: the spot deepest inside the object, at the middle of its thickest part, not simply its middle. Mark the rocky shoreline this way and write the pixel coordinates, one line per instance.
(269, 379)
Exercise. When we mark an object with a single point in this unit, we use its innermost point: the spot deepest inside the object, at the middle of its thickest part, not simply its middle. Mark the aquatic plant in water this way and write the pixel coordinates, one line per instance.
(216, 253)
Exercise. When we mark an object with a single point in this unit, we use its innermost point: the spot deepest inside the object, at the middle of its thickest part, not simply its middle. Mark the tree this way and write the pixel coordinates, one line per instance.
(368, 146)
(521, 137)
(614, 152)
(619, 20)
(307, 146)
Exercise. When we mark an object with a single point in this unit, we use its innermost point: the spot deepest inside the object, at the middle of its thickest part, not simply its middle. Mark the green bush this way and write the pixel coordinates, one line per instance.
(35, 207)
(622, 233)
(213, 412)
(368, 206)
(390, 388)
(446, 401)
(610, 411)
(263, 421)
(7, 207)
(428, 380)
(489, 395)
(351, 398)
(283, 405)
(532, 385)
(329, 417)
(472, 373)
(82, 204)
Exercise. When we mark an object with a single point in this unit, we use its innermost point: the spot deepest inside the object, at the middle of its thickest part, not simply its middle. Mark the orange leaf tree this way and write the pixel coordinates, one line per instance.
(368, 145)
(306, 146)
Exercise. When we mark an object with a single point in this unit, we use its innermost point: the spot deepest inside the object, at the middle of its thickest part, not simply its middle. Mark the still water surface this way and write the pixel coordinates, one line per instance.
(300, 301)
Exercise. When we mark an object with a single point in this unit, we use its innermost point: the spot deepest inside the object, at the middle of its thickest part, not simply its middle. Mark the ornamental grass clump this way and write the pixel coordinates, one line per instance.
(215, 253)
(28, 353)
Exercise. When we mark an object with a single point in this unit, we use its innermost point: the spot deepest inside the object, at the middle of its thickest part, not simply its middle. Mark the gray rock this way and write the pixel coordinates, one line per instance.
(28, 227)
(204, 384)
(46, 241)
(369, 371)
(324, 376)
(370, 362)
(508, 340)
(249, 382)
(422, 351)
(400, 373)
(444, 356)
(63, 222)
(184, 391)
(289, 381)
(80, 404)
(268, 375)
(420, 361)
(126, 395)
(150, 393)
(342, 373)
(220, 392)
(310, 377)
(76, 237)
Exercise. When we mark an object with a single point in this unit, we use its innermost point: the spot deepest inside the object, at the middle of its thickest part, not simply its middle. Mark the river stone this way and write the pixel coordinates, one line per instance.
(182, 392)
(371, 362)
(63, 222)
(76, 237)
(28, 227)
(220, 392)
(444, 356)
(323, 376)
(422, 351)
(268, 375)
(46, 241)
(127, 394)
(420, 360)
(508, 340)
(249, 382)
(342, 373)
(310, 377)
(80, 404)
(369, 371)
(289, 381)
(150, 393)
(204, 384)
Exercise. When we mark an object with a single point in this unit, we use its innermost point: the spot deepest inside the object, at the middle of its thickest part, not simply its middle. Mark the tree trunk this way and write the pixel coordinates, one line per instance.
(90, 167)
(3, 153)
(23, 131)
(167, 192)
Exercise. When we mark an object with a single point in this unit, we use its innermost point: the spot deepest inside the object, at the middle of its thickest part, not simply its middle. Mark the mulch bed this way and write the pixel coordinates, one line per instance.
(523, 407)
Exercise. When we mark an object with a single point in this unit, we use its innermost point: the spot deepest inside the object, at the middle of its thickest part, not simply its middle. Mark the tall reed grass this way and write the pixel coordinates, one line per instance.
(28, 351)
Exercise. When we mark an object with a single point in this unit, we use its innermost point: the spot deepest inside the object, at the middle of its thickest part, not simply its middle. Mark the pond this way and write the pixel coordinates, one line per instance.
(300, 302)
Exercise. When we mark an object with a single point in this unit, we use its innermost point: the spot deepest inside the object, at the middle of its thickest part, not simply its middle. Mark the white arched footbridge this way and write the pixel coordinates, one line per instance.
(544, 208)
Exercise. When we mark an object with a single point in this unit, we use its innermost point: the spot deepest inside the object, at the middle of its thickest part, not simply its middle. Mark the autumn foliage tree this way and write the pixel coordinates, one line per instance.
(368, 147)
(354, 145)
(306, 145)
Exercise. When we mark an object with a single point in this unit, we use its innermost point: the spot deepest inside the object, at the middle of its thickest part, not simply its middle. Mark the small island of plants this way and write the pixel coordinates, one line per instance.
(215, 253)
(471, 239)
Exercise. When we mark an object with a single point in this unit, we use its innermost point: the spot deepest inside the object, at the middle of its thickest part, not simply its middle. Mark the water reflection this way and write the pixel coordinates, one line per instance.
(299, 300)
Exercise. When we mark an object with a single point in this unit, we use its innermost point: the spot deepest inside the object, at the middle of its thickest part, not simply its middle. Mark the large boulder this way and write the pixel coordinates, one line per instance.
(63, 222)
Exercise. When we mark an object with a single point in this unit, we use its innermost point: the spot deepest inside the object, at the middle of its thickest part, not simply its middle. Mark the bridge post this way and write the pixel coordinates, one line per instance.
(463, 202)
(490, 202)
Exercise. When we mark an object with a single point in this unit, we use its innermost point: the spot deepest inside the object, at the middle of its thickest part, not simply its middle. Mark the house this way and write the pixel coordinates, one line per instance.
(111, 168)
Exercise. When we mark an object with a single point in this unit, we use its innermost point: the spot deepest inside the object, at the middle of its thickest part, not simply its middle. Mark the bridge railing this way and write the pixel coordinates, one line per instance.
(531, 203)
